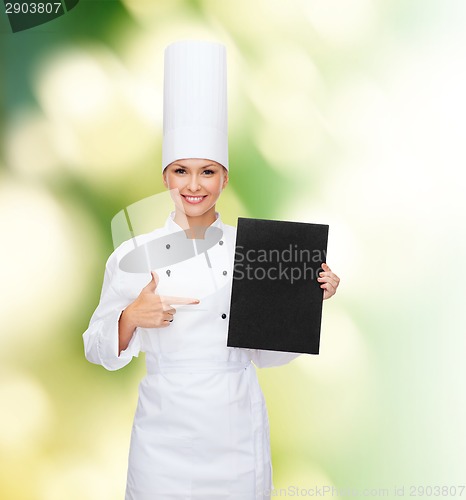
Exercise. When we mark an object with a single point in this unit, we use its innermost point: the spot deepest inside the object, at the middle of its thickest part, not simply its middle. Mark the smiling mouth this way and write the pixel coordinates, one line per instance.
(194, 200)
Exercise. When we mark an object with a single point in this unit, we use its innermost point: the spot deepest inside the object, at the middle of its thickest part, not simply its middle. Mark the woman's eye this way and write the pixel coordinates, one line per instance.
(208, 172)
(180, 171)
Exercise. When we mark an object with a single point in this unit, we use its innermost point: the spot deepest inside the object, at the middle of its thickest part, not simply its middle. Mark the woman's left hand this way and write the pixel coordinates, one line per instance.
(329, 281)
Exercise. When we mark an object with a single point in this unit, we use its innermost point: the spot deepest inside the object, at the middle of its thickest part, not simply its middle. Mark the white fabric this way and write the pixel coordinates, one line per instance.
(195, 121)
(201, 429)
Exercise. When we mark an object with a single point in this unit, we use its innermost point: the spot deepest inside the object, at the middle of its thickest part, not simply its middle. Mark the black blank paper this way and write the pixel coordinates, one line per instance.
(276, 300)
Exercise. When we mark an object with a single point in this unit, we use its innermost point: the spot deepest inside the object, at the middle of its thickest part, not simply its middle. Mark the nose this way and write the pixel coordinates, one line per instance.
(193, 184)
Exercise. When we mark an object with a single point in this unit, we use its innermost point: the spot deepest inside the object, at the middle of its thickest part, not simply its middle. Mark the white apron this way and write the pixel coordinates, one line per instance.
(201, 429)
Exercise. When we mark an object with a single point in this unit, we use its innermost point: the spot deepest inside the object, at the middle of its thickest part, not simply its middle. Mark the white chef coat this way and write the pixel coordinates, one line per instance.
(201, 429)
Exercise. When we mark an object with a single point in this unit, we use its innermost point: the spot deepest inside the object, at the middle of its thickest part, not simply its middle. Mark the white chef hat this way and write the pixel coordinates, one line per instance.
(195, 120)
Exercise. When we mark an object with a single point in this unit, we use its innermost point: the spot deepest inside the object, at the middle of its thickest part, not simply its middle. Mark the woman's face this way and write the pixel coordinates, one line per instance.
(199, 183)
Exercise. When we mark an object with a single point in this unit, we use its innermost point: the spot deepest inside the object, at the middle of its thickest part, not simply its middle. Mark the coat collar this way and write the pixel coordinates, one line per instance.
(171, 226)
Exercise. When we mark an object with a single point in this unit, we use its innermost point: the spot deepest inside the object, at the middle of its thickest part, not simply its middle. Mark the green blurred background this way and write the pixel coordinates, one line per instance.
(350, 113)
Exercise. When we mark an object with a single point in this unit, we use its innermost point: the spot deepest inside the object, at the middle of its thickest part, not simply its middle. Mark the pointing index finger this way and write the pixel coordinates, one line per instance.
(178, 300)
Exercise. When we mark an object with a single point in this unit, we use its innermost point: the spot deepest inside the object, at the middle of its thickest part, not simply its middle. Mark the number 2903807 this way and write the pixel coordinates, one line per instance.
(32, 8)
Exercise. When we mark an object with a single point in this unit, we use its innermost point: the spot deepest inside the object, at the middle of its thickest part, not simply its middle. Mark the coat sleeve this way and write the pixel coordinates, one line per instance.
(267, 359)
(101, 338)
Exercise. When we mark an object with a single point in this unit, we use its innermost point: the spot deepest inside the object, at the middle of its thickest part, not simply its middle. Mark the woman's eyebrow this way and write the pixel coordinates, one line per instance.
(188, 168)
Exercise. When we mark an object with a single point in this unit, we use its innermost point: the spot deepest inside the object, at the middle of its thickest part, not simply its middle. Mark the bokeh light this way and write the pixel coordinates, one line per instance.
(26, 415)
(96, 109)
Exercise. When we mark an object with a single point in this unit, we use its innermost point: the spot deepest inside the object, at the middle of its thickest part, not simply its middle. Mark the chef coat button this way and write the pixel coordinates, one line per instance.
(224, 273)
(167, 246)
(168, 272)
(220, 242)
(224, 316)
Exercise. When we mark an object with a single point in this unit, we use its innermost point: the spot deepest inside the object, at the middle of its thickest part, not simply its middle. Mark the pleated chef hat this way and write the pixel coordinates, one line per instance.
(195, 102)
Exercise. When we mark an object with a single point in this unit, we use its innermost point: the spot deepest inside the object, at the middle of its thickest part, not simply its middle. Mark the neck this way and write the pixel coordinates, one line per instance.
(195, 227)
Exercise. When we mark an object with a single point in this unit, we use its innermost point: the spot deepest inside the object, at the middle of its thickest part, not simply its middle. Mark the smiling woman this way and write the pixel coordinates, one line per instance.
(199, 183)
(201, 429)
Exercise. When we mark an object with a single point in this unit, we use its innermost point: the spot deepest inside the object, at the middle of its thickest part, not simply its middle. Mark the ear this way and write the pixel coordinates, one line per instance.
(164, 178)
(225, 178)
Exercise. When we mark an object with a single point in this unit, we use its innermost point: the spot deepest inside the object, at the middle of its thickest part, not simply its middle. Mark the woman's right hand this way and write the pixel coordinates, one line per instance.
(149, 310)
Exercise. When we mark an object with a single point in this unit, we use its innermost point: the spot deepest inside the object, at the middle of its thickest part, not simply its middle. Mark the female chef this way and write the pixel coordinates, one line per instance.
(201, 429)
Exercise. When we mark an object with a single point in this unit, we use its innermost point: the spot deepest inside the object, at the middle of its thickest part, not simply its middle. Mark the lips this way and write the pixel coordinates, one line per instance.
(194, 200)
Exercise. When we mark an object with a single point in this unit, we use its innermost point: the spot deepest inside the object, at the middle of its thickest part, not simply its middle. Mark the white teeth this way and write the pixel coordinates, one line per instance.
(193, 198)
